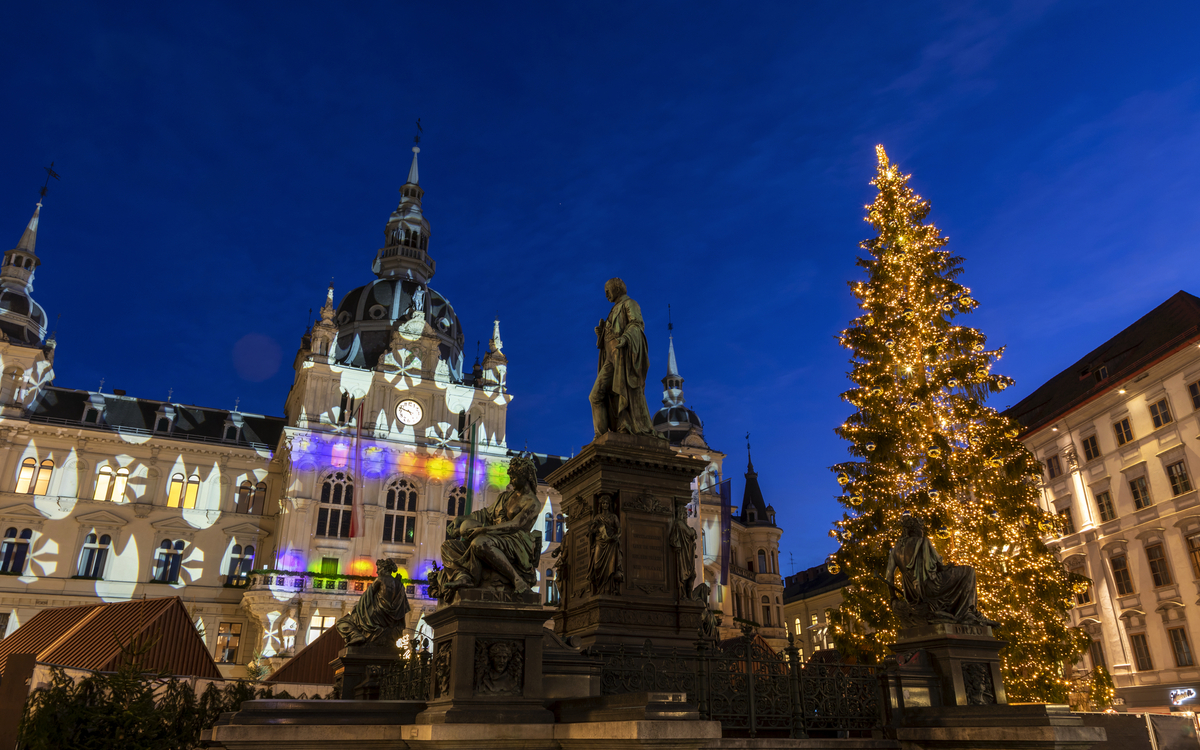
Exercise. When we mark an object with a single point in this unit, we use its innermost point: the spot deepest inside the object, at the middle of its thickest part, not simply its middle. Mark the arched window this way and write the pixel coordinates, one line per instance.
(337, 499)
(766, 602)
(111, 487)
(14, 550)
(95, 553)
(245, 497)
(103, 482)
(549, 528)
(25, 478)
(163, 425)
(560, 527)
(260, 498)
(551, 587)
(241, 560)
(400, 519)
(91, 415)
(43, 478)
(762, 562)
(191, 492)
(456, 505)
(231, 432)
(168, 558)
(34, 478)
(175, 493)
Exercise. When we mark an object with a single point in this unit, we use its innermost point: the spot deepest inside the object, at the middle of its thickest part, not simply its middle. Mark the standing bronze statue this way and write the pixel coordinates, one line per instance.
(493, 547)
(930, 591)
(619, 395)
(607, 563)
(378, 616)
(683, 542)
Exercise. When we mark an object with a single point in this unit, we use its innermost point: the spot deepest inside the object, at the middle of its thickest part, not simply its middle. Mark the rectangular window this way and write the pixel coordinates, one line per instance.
(335, 523)
(1193, 543)
(1066, 521)
(1091, 449)
(1124, 434)
(1140, 491)
(1179, 644)
(1180, 483)
(399, 529)
(1105, 506)
(1158, 566)
(1097, 655)
(1194, 390)
(1141, 652)
(318, 625)
(1160, 413)
(813, 619)
(329, 566)
(229, 634)
(1120, 569)
(1085, 596)
(1053, 466)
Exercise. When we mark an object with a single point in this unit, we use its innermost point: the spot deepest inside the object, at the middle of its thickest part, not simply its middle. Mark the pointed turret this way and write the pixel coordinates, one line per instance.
(324, 332)
(754, 508)
(495, 364)
(405, 252)
(675, 419)
(22, 319)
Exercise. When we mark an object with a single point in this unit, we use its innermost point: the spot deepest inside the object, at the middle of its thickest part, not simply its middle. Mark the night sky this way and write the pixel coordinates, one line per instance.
(220, 163)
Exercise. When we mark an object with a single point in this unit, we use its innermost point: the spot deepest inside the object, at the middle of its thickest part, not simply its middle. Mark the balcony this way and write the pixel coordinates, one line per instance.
(291, 583)
(741, 572)
(769, 579)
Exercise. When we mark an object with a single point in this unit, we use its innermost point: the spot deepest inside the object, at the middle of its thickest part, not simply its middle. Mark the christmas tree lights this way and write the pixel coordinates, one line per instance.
(923, 442)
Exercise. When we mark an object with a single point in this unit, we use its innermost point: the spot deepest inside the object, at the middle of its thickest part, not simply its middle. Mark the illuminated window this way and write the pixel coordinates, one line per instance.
(175, 493)
(168, 558)
(1105, 506)
(14, 549)
(559, 527)
(1091, 448)
(1158, 566)
(1160, 413)
(34, 478)
(241, 560)
(400, 522)
(337, 492)
(1053, 466)
(1097, 652)
(1066, 521)
(1194, 390)
(319, 624)
(1124, 434)
(456, 505)
(1179, 645)
(1141, 652)
(95, 553)
(551, 588)
(191, 491)
(229, 634)
(111, 487)
(1193, 543)
(1180, 483)
(1085, 596)
(1140, 491)
(1120, 569)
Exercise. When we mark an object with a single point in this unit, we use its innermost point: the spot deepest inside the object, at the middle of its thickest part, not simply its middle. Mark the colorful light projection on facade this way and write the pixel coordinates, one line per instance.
(382, 461)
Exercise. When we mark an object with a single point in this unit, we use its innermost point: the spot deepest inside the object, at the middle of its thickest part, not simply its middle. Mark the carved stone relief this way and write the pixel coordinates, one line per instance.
(441, 670)
(499, 666)
(977, 679)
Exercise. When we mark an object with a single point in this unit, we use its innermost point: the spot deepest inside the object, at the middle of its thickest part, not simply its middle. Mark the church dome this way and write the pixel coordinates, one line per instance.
(368, 314)
(21, 318)
(677, 422)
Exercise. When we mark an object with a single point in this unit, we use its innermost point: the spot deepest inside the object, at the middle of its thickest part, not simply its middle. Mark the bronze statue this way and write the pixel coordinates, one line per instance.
(607, 563)
(493, 547)
(683, 541)
(930, 591)
(378, 616)
(708, 618)
(619, 395)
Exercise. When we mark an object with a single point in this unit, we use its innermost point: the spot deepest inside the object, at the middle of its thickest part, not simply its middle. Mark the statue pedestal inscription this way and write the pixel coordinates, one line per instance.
(487, 660)
(621, 580)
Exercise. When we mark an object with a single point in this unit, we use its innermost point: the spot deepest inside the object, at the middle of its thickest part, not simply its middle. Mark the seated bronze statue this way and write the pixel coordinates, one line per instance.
(494, 547)
(378, 616)
(930, 591)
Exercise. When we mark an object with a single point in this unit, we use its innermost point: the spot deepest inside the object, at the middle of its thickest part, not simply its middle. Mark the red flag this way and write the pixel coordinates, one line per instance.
(358, 484)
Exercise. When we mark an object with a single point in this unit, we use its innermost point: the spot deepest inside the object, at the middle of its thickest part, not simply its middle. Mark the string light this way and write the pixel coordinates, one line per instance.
(924, 443)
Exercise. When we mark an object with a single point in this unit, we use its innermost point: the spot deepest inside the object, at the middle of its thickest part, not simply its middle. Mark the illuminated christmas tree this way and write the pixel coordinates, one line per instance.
(923, 442)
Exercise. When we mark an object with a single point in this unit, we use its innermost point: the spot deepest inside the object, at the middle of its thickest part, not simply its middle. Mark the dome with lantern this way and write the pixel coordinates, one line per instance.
(675, 420)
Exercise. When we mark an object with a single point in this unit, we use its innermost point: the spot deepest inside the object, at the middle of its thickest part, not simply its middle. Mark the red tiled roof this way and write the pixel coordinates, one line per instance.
(89, 637)
(310, 665)
(1155, 336)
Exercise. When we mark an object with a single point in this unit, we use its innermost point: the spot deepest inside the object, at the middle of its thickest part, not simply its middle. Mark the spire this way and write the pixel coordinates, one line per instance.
(749, 458)
(672, 381)
(23, 319)
(29, 236)
(754, 508)
(496, 344)
(413, 177)
(405, 251)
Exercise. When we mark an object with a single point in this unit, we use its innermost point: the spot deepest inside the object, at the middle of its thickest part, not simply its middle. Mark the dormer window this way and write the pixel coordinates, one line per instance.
(753, 517)
(231, 432)
(163, 425)
(91, 415)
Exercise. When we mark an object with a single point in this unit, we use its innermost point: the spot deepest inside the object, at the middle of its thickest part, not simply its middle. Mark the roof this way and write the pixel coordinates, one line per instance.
(89, 637)
(1151, 338)
(752, 498)
(129, 414)
(311, 664)
(812, 582)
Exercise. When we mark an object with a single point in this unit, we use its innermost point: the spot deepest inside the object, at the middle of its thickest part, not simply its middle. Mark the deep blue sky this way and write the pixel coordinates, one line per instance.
(220, 163)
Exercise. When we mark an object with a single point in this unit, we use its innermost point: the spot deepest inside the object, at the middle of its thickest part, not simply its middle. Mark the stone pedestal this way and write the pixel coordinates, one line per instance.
(487, 661)
(642, 480)
(947, 665)
(351, 669)
(1030, 726)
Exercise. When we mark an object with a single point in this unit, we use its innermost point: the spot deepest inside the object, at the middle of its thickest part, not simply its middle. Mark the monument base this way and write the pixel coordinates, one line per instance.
(944, 664)
(1036, 726)
(487, 661)
(353, 671)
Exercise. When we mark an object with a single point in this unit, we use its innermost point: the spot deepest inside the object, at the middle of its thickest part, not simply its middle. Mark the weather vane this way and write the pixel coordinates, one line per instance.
(49, 173)
(417, 137)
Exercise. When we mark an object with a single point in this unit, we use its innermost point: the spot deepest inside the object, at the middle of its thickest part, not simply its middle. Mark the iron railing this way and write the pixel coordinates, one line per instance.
(407, 678)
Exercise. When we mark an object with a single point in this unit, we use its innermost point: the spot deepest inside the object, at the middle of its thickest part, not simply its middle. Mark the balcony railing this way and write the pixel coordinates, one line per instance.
(323, 584)
(746, 573)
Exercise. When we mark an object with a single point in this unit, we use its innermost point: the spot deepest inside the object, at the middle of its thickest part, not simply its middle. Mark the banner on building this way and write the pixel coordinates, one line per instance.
(726, 528)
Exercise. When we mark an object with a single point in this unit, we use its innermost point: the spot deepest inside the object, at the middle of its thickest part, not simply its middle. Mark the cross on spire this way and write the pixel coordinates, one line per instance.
(170, 393)
(417, 137)
(49, 173)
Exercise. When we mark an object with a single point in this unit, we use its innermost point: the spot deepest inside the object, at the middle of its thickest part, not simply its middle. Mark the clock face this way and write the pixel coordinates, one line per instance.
(409, 412)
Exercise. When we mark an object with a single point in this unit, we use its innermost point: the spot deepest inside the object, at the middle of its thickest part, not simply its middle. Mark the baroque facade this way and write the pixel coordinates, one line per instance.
(268, 526)
(1116, 433)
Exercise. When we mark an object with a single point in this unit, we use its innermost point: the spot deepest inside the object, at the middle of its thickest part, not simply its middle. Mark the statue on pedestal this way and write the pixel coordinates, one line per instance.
(607, 561)
(378, 616)
(493, 547)
(619, 395)
(683, 543)
(930, 591)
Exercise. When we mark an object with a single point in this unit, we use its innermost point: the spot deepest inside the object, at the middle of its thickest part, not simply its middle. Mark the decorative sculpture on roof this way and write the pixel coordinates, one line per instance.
(619, 396)
(494, 547)
(930, 591)
(378, 616)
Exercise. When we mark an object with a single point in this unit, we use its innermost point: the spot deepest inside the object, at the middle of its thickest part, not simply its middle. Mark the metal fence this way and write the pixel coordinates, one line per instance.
(407, 678)
(754, 691)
